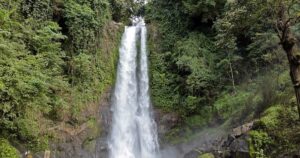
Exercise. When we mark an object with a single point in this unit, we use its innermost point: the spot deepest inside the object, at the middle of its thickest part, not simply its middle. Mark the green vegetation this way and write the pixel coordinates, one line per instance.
(6, 150)
(276, 132)
(259, 141)
(218, 61)
(207, 155)
(57, 57)
(211, 62)
(200, 49)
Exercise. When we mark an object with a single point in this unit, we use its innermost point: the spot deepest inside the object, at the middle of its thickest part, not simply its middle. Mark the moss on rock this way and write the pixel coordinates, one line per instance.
(206, 155)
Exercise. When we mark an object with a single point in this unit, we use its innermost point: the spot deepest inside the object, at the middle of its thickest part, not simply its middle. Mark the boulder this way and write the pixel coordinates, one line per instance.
(165, 121)
(239, 148)
(239, 145)
(238, 131)
(192, 154)
(236, 143)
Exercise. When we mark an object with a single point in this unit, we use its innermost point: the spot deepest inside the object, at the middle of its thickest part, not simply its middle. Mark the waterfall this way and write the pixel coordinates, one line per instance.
(133, 133)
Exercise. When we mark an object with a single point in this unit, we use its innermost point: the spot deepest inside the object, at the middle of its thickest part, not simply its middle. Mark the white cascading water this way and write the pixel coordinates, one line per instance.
(133, 133)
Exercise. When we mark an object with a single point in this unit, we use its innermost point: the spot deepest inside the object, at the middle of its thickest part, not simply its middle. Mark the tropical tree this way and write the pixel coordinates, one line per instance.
(257, 20)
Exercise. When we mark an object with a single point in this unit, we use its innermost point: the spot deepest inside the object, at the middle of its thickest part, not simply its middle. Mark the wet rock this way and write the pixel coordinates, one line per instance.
(224, 154)
(235, 145)
(239, 148)
(229, 140)
(102, 148)
(238, 131)
(88, 140)
(192, 154)
(165, 121)
(89, 145)
(239, 145)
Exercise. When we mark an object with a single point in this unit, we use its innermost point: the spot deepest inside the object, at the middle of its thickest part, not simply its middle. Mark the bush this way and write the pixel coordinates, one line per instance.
(276, 132)
(27, 129)
(269, 120)
(227, 104)
(7, 151)
(259, 144)
(200, 120)
(29, 133)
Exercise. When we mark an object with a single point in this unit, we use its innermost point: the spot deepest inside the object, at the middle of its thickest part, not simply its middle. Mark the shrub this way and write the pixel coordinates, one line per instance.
(270, 118)
(206, 155)
(200, 120)
(227, 104)
(7, 151)
(259, 142)
(27, 129)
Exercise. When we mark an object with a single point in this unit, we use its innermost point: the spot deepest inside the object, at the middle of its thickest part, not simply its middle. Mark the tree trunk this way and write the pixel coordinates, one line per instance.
(290, 47)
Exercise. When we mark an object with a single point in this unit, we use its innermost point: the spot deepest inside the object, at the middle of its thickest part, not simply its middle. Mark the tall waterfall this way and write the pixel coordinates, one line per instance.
(133, 133)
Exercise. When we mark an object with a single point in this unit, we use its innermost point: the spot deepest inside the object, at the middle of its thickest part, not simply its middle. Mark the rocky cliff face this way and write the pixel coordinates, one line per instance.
(165, 121)
(87, 140)
(233, 144)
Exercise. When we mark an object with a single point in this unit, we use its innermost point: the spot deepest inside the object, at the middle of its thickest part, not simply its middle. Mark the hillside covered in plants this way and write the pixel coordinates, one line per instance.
(57, 58)
(218, 62)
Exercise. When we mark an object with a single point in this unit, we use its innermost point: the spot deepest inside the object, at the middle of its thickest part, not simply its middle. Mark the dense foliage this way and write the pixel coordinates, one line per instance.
(186, 62)
(209, 46)
(56, 57)
(211, 61)
(214, 60)
(6, 150)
